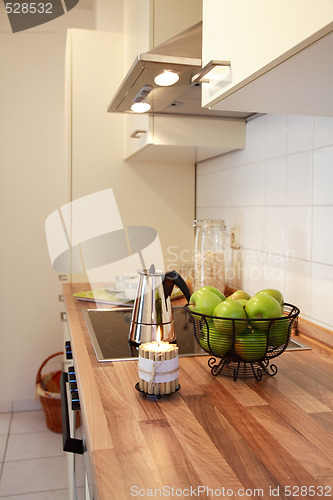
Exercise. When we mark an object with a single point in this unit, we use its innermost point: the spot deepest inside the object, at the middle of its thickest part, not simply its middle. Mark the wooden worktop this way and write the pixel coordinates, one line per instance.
(214, 433)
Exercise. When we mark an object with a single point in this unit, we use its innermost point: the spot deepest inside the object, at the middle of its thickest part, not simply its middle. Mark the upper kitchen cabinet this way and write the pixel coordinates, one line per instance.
(168, 35)
(148, 23)
(280, 55)
(180, 138)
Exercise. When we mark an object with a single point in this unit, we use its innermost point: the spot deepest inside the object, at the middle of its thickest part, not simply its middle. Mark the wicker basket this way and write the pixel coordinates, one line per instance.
(48, 391)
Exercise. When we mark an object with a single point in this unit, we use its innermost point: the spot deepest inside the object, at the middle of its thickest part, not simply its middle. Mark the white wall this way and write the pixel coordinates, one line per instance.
(33, 184)
(279, 192)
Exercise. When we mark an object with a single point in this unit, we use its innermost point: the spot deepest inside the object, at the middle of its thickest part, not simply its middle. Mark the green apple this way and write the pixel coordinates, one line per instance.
(278, 332)
(251, 344)
(262, 306)
(241, 301)
(214, 342)
(214, 290)
(227, 311)
(204, 301)
(274, 293)
(239, 294)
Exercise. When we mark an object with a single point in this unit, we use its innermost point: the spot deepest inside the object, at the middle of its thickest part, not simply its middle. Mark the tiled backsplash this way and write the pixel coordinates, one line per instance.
(279, 192)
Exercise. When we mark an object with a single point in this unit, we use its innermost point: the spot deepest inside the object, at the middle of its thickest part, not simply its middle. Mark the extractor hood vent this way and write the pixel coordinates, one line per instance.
(180, 55)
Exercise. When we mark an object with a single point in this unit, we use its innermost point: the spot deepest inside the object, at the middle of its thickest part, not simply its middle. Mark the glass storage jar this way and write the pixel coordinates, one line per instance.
(209, 264)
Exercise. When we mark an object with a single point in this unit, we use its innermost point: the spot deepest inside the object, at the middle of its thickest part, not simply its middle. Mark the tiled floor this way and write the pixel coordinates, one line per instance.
(33, 465)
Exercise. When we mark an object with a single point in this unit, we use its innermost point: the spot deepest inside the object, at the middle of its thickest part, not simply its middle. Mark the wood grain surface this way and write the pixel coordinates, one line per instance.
(215, 438)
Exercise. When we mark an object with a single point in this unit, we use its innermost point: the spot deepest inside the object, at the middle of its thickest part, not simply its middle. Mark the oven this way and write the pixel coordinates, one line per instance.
(73, 433)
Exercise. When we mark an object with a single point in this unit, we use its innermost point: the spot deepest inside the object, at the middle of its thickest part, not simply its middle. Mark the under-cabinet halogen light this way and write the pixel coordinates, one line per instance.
(166, 78)
(140, 107)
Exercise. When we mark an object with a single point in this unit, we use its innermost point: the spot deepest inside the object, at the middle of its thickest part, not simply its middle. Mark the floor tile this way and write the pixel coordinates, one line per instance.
(34, 445)
(5, 422)
(3, 442)
(28, 421)
(30, 476)
(43, 495)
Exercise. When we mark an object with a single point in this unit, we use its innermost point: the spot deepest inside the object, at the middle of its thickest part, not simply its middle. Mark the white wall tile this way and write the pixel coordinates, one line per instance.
(323, 176)
(299, 232)
(273, 271)
(225, 213)
(224, 188)
(321, 294)
(253, 234)
(238, 186)
(275, 181)
(256, 134)
(252, 275)
(322, 131)
(293, 216)
(322, 235)
(203, 213)
(297, 286)
(274, 229)
(299, 133)
(207, 190)
(234, 268)
(208, 166)
(255, 184)
(276, 136)
(225, 161)
(299, 179)
(237, 220)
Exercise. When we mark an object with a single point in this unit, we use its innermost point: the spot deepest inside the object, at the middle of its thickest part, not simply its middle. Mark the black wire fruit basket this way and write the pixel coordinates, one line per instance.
(243, 347)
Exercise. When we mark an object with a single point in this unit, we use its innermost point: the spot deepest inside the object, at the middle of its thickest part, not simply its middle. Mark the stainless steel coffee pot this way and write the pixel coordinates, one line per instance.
(152, 307)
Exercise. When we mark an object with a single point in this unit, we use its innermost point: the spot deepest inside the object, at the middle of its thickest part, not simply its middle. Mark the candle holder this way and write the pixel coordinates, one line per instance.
(158, 368)
(158, 396)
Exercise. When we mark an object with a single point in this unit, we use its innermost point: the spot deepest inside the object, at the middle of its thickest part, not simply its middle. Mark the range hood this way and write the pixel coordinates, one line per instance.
(181, 55)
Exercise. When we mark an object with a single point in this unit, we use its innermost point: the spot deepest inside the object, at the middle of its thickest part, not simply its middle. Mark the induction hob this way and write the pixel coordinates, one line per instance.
(109, 328)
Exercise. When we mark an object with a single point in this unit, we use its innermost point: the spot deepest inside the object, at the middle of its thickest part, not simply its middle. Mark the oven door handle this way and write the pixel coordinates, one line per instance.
(72, 445)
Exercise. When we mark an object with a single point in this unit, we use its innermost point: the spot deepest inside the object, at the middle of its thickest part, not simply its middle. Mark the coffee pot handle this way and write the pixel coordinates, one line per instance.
(172, 278)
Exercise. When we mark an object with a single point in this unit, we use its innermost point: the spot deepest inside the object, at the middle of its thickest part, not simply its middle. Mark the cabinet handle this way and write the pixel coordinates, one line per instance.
(138, 133)
(62, 277)
(199, 77)
(63, 316)
(60, 298)
(72, 445)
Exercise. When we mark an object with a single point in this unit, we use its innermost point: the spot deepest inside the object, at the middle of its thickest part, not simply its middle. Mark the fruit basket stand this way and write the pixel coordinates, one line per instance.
(243, 347)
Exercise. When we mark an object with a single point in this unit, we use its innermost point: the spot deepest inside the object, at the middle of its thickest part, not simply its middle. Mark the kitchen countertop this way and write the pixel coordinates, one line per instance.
(215, 437)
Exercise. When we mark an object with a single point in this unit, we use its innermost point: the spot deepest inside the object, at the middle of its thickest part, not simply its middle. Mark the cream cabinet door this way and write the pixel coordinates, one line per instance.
(264, 41)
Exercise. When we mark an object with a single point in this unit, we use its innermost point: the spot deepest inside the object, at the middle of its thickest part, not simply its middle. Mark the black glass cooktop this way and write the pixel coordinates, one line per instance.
(108, 329)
